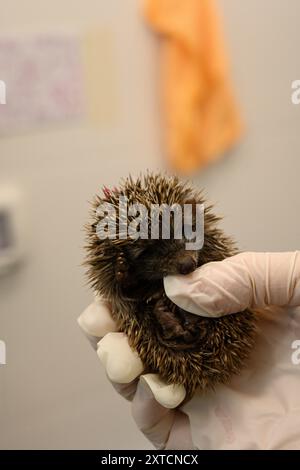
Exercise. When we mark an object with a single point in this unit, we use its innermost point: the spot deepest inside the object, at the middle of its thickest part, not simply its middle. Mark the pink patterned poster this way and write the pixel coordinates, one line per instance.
(44, 81)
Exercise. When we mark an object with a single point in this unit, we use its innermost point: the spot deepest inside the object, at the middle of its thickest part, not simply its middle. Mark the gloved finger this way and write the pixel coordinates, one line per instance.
(166, 428)
(246, 280)
(121, 363)
(214, 289)
(167, 395)
(96, 320)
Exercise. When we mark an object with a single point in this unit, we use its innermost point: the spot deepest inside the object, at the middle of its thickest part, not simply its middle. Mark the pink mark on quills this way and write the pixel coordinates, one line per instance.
(106, 191)
(226, 422)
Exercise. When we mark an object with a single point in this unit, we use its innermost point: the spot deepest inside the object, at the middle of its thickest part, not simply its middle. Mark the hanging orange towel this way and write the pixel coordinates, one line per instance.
(201, 115)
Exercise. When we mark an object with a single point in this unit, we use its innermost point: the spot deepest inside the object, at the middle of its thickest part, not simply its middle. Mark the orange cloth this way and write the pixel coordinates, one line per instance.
(201, 115)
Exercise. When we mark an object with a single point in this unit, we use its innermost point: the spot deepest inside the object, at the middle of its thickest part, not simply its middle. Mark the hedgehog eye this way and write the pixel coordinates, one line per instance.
(137, 251)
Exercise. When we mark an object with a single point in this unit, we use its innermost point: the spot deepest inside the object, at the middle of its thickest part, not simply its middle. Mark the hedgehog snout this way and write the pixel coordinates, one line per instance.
(187, 265)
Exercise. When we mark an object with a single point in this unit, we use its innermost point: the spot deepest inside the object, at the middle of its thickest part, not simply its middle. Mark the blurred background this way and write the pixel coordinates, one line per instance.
(53, 390)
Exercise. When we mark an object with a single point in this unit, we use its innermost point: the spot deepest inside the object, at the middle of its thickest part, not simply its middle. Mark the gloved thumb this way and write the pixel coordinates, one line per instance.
(245, 280)
(208, 291)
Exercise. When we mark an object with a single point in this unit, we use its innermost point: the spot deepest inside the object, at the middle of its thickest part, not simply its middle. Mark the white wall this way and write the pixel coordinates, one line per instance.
(53, 392)
(257, 187)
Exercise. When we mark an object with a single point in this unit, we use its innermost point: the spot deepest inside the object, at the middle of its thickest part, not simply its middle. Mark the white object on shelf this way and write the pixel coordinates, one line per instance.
(12, 226)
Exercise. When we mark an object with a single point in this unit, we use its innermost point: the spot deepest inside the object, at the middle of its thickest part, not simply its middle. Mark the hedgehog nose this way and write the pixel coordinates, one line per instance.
(186, 266)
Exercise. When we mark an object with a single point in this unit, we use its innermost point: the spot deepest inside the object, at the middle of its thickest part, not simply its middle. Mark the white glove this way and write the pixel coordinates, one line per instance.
(246, 280)
(260, 409)
(153, 401)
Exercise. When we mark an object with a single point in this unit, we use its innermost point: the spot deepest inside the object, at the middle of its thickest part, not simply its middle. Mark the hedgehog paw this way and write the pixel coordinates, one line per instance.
(168, 321)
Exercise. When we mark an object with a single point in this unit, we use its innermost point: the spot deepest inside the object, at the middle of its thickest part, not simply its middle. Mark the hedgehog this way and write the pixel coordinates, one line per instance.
(185, 349)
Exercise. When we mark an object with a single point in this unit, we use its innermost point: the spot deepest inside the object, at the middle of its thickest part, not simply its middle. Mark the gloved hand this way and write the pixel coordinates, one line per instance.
(153, 401)
(254, 280)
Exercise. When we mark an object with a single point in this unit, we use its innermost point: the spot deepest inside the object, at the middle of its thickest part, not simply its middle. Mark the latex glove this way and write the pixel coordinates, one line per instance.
(247, 280)
(153, 401)
(260, 409)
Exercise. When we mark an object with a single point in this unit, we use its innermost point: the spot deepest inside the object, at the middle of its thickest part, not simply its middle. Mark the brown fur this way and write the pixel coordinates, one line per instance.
(183, 348)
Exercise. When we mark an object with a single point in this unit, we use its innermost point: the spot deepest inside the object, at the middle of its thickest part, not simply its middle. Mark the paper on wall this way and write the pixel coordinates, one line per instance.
(56, 78)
